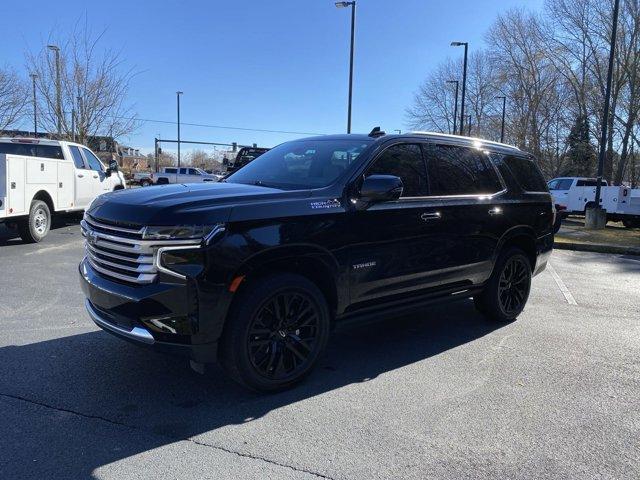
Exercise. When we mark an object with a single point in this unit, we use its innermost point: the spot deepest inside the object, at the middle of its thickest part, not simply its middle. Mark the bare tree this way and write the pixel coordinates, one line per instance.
(13, 98)
(94, 85)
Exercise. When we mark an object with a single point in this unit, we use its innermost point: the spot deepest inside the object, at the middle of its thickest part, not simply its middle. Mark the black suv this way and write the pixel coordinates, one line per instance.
(256, 271)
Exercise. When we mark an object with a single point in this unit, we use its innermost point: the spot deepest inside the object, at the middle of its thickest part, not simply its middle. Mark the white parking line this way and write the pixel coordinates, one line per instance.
(563, 288)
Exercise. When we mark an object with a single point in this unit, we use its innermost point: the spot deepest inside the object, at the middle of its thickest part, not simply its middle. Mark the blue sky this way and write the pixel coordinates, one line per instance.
(266, 64)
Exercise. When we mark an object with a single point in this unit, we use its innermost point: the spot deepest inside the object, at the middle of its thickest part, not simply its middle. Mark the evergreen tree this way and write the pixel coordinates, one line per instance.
(581, 155)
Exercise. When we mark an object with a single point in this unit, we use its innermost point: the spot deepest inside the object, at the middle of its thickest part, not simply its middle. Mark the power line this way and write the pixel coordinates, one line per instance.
(204, 125)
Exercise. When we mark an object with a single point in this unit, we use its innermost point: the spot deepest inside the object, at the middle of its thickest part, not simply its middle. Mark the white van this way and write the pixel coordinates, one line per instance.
(41, 177)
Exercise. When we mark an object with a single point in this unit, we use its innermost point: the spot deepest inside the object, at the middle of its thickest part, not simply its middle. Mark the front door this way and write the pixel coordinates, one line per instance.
(395, 240)
(101, 183)
(84, 181)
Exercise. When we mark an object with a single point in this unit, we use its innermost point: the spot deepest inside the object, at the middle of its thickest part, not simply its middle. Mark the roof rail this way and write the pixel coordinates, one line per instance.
(458, 137)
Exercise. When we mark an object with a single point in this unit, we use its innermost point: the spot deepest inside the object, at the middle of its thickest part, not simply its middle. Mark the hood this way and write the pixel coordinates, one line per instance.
(176, 204)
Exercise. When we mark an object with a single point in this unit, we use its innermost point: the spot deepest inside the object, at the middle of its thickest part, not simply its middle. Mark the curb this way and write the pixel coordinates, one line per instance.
(596, 247)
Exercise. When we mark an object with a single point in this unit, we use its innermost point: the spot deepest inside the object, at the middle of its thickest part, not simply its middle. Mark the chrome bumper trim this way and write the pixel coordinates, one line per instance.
(138, 334)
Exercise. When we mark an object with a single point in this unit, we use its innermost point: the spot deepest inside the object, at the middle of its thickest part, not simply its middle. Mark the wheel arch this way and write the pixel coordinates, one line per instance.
(317, 265)
(523, 238)
(45, 196)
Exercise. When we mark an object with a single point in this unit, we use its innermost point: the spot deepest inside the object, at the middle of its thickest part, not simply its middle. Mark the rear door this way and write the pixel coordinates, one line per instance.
(84, 181)
(470, 194)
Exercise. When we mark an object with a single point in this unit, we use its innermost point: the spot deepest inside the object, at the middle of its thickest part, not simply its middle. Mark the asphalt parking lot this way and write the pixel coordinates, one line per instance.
(443, 394)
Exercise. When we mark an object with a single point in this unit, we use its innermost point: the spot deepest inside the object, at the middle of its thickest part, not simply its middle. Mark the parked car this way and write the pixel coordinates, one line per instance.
(182, 175)
(576, 194)
(256, 270)
(245, 156)
(41, 177)
(142, 178)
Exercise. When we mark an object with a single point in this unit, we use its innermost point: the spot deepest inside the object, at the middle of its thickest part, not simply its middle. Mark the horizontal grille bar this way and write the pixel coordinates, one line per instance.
(121, 253)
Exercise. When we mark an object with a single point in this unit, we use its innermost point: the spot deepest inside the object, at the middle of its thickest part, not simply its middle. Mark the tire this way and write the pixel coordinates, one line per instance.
(37, 225)
(267, 352)
(631, 223)
(505, 294)
(145, 183)
(557, 224)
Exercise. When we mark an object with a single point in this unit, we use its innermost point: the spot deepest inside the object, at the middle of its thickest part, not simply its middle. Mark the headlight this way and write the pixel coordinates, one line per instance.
(178, 232)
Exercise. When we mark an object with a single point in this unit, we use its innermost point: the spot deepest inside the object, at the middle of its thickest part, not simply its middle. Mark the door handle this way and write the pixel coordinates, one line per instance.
(427, 216)
(80, 175)
(495, 211)
(95, 176)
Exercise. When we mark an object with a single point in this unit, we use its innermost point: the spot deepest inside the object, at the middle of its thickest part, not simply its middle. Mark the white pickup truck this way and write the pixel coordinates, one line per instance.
(41, 177)
(576, 194)
(182, 175)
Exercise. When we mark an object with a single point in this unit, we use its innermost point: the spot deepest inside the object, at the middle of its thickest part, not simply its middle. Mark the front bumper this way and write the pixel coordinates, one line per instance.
(163, 316)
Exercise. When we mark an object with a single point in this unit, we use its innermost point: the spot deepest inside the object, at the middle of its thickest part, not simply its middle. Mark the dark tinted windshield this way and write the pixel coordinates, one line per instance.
(301, 164)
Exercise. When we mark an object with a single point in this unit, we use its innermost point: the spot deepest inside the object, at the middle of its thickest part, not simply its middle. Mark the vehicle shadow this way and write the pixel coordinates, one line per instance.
(157, 400)
(10, 236)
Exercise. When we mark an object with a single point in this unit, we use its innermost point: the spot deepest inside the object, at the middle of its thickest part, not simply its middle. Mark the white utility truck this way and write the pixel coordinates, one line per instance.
(182, 175)
(41, 177)
(577, 194)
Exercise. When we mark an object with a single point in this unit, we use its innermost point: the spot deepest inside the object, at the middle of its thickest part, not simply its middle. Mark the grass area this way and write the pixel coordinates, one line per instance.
(615, 233)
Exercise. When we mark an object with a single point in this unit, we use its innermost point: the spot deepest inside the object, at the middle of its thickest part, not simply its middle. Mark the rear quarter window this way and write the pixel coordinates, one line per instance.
(526, 174)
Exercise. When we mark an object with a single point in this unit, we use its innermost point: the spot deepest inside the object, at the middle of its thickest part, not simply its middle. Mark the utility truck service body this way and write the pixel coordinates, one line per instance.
(577, 194)
(41, 177)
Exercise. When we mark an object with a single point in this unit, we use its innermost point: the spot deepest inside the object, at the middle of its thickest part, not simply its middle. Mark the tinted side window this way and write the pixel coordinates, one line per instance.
(49, 151)
(183, 171)
(193, 171)
(32, 150)
(404, 161)
(92, 160)
(526, 173)
(77, 157)
(564, 184)
(17, 149)
(460, 171)
(170, 170)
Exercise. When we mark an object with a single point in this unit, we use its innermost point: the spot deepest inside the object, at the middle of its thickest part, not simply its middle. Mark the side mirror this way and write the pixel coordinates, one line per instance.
(113, 165)
(380, 188)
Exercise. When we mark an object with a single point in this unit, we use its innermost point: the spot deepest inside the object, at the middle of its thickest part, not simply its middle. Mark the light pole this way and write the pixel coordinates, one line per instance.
(353, 28)
(504, 106)
(597, 213)
(35, 105)
(464, 81)
(56, 49)
(455, 108)
(178, 98)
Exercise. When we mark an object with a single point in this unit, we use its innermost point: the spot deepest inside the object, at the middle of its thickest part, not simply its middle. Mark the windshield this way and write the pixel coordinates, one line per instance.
(301, 164)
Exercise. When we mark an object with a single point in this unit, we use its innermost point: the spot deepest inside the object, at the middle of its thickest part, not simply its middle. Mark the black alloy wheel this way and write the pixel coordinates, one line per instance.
(283, 335)
(505, 294)
(275, 331)
(513, 287)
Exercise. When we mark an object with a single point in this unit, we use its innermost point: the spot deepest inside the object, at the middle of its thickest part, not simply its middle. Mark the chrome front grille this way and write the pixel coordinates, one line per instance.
(121, 253)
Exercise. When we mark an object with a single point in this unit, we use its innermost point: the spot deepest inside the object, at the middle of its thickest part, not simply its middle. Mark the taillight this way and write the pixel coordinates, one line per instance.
(553, 215)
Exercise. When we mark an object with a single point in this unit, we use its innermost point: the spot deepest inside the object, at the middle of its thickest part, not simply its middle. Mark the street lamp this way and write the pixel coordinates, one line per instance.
(353, 27)
(455, 108)
(35, 105)
(56, 49)
(464, 81)
(178, 99)
(504, 106)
